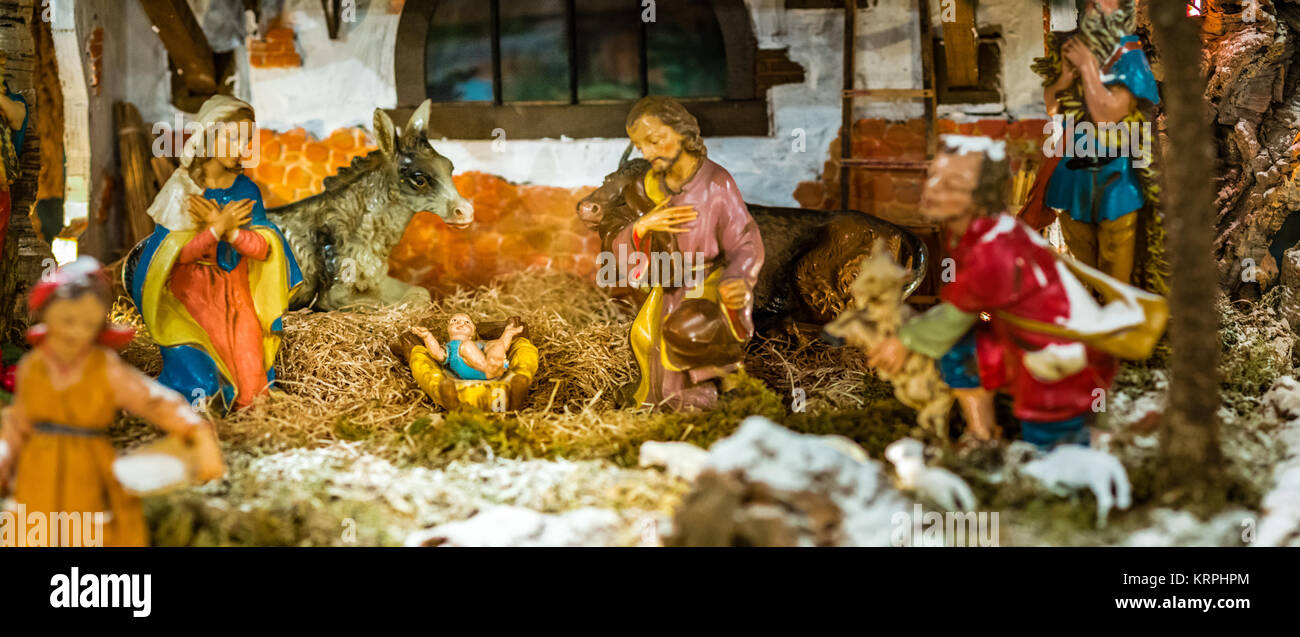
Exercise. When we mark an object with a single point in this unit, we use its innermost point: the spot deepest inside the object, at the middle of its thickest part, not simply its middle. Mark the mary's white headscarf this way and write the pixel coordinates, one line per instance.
(169, 209)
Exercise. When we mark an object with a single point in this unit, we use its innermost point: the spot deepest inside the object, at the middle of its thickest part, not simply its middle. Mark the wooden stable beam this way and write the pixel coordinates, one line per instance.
(960, 43)
(188, 47)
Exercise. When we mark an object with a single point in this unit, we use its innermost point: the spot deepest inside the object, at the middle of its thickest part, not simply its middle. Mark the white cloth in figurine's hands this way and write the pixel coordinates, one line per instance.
(1056, 361)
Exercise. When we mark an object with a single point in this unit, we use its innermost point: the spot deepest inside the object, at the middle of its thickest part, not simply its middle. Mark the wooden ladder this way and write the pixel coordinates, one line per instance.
(928, 291)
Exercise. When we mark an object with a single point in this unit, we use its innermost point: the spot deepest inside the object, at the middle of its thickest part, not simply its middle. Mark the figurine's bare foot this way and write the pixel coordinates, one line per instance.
(625, 396)
(447, 394)
(519, 390)
(730, 382)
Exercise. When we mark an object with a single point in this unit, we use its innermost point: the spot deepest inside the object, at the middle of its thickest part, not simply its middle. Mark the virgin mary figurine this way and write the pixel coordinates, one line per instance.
(216, 275)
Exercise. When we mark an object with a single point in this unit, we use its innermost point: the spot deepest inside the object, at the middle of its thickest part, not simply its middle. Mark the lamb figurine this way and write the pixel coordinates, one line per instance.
(1071, 467)
(679, 459)
(935, 484)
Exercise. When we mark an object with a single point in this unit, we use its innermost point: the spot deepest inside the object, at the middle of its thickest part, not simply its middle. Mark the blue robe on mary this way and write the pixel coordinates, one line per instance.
(1073, 190)
(190, 364)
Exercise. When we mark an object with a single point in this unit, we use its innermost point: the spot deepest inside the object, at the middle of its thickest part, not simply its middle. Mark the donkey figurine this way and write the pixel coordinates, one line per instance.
(342, 236)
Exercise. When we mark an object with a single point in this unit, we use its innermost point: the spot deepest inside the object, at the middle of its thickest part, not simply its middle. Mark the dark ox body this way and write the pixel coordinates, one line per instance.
(811, 256)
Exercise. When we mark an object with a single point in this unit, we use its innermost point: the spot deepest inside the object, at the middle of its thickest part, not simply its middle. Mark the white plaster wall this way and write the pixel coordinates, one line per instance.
(148, 80)
(342, 82)
(90, 134)
(1021, 25)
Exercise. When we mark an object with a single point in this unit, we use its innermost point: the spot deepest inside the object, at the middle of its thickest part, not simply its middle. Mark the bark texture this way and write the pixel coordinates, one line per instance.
(1191, 468)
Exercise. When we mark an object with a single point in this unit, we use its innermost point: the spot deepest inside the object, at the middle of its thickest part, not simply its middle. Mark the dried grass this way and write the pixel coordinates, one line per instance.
(339, 381)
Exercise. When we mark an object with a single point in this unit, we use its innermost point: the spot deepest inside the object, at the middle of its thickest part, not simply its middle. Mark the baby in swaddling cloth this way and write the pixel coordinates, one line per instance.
(467, 357)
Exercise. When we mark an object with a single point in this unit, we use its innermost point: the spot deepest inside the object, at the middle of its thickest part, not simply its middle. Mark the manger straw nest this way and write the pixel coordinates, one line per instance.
(338, 380)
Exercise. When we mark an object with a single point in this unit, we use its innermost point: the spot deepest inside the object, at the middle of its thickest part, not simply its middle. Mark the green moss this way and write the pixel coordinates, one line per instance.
(750, 397)
(469, 433)
(874, 427)
(276, 515)
(345, 429)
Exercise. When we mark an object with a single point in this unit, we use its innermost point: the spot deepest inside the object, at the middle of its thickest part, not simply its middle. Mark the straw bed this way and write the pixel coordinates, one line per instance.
(337, 379)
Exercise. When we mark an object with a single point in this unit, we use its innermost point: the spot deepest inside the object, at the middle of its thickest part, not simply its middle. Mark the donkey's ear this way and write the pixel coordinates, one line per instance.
(417, 128)
(385, 133)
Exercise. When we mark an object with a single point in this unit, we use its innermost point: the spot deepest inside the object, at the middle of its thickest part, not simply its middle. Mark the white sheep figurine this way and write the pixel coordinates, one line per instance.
(935, 484)
(1070, 468)
(679, 459)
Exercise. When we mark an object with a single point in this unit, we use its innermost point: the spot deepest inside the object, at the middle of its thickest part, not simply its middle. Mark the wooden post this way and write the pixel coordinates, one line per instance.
(960, 44)
(186, 44)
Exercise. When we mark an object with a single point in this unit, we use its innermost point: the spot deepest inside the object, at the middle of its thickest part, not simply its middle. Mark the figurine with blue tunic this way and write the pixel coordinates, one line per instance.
(466, 356)
(1093, 178)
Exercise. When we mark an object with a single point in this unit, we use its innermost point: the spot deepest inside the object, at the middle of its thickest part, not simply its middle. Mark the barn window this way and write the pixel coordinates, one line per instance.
(545, 68)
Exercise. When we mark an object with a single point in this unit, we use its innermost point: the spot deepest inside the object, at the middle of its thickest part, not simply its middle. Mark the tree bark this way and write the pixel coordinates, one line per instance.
(1191, 461)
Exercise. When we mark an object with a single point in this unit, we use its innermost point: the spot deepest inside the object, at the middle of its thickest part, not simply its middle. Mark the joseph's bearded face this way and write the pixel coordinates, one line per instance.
(949, 191)
(657, 141)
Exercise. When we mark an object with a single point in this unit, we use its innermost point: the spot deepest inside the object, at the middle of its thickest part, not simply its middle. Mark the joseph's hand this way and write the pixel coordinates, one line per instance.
(1068, 75)
(665, 220)
(735, 293)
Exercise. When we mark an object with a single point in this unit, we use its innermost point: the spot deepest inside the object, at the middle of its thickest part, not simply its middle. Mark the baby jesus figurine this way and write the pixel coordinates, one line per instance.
(465, 356)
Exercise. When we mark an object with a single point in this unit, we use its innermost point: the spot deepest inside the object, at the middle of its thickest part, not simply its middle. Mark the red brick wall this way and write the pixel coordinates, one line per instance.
(895, 194)
(277, 50)
(515, 226)
(293, 165)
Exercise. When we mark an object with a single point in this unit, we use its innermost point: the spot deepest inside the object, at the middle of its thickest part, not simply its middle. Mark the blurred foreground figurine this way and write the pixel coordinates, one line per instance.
(877, 313)
(697, 252)
(492, 373)
(215, 276)
(1015, 315)
(56, 452)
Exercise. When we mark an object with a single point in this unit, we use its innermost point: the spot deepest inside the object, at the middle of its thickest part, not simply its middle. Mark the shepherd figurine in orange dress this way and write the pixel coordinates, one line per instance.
(54, 446)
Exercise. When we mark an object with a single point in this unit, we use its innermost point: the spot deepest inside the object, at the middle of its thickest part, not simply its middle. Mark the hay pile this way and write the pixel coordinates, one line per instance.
(340, 382)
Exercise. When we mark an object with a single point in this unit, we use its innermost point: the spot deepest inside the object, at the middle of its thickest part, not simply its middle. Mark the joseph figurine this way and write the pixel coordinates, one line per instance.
(689, 335)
